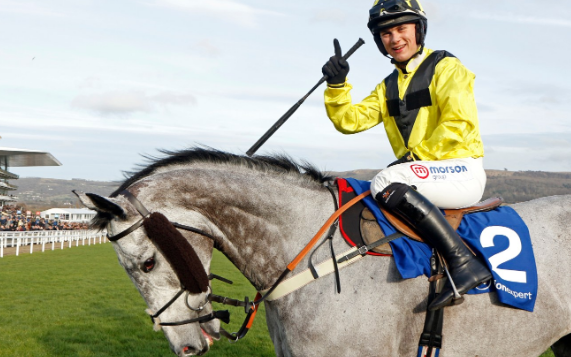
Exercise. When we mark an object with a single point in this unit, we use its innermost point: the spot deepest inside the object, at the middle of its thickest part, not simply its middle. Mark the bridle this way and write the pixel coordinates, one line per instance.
(221, 315)
(250, 307)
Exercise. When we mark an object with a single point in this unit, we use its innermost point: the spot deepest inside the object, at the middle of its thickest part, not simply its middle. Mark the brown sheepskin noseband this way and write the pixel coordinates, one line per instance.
(179, 253)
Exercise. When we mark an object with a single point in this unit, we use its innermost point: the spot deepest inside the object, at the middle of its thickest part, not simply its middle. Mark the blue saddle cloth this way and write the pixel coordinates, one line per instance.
(500, 236)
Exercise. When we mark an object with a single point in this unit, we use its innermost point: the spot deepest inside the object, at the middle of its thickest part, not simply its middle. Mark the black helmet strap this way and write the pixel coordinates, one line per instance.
(403, 64)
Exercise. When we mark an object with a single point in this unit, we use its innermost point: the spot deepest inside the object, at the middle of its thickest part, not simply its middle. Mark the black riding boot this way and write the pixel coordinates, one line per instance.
(466, 270)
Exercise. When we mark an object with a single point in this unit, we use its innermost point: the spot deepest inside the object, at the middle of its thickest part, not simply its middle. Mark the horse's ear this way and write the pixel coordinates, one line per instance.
(100, 204)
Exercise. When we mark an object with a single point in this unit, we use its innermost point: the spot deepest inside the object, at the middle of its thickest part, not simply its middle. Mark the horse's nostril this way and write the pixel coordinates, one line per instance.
(193, 351)
(189, 351)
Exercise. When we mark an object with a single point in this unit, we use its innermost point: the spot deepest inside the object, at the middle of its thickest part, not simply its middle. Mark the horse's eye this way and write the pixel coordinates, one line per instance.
(148, 265)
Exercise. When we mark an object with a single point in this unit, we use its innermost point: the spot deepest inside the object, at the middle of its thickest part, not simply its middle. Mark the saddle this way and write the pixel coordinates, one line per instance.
(360, 227)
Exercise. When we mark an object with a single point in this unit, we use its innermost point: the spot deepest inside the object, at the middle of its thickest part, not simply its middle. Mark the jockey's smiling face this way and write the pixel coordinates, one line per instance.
(400, 41)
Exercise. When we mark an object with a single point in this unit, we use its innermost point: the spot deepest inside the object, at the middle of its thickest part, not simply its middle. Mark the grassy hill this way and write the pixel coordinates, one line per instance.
(513, 186)
(42, 193)
(526, 185)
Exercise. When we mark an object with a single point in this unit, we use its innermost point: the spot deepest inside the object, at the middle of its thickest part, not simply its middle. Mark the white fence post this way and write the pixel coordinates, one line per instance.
(20, 239)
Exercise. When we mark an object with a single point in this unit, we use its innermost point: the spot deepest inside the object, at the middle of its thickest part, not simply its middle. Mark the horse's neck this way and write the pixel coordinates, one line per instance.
(265, 222)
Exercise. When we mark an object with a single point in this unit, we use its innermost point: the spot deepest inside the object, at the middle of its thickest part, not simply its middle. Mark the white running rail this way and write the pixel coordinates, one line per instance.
(53, 239)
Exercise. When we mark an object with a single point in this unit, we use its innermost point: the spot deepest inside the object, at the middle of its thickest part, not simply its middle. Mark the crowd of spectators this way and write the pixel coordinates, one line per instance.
(13, 219)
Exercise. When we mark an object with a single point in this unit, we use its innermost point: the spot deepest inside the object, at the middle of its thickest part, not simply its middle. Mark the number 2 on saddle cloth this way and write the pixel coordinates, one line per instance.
(492, 233)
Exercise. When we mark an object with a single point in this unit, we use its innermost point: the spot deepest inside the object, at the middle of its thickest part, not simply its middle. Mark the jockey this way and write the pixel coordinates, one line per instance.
(428, 110)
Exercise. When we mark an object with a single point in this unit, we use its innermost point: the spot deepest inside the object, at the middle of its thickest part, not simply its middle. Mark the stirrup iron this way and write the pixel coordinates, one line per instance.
(457, 299)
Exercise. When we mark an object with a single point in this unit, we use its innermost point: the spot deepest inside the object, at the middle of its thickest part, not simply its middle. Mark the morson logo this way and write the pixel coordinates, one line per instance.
(420, 171)
(448, 169)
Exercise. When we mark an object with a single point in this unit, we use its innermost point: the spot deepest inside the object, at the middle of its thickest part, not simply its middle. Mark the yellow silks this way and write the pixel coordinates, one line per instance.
(446, 130)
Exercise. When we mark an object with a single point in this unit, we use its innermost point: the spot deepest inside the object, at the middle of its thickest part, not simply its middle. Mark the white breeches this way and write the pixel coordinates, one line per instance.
(448, 184)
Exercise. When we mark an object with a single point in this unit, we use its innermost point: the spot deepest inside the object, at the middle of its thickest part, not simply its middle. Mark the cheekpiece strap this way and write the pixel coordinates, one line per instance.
(127, 231)
(139, 207)
(136, 203)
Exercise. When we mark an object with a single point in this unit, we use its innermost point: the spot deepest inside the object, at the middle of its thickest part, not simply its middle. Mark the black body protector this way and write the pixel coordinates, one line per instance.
(417, 94)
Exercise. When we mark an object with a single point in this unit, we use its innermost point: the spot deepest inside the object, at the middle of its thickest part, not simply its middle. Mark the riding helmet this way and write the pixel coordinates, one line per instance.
(388, 13)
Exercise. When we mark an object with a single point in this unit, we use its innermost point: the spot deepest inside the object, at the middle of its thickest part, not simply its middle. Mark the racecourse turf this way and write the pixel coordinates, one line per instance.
(78, 302)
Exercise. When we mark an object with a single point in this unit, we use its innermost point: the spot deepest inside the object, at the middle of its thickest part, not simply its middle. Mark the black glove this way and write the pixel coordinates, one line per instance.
(336, 69)
(408, 157)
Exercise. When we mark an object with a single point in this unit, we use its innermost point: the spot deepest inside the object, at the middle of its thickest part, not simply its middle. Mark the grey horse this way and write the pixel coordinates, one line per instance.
(262, 211)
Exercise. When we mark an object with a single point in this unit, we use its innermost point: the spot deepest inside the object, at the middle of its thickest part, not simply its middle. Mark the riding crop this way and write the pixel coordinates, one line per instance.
(292, 110)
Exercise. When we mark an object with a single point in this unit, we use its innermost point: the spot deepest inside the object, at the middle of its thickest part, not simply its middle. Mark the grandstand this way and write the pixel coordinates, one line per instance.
(10, 157)
(70, 215)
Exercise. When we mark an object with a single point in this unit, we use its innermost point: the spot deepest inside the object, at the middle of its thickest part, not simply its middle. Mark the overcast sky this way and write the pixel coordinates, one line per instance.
(97, 83)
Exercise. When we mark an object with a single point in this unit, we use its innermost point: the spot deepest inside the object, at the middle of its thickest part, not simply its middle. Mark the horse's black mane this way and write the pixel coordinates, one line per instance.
(275, 163)
(279, 163)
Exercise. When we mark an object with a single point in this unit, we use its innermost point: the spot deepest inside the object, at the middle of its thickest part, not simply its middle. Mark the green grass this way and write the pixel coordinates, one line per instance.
(79, 302)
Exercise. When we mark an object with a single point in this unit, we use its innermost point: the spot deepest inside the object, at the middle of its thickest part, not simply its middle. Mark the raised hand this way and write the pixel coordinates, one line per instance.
(336, 69)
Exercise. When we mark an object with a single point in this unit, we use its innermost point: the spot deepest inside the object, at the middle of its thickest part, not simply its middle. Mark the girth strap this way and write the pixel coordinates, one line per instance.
(431, 337)
(329, 238)
(324, 268)
(365, 248)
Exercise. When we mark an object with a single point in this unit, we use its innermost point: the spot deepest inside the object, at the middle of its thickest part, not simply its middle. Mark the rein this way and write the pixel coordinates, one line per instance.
(250, 307)
(221, 315)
